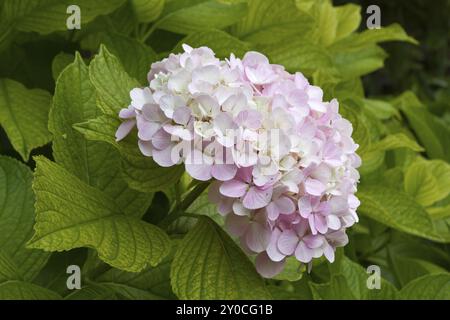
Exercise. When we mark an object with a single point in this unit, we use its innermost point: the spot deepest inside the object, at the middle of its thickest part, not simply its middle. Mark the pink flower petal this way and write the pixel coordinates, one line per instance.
(257, 237)
(314, 187)
(303, 253)
(145, 147)
(285, 205)
(124, 129)
(233, 188)
(236, 225)
(272, 250)
(256, 198)
(272, 211)
(224, 172)
(320, 223)
(266, 267)
(287, 242)
(200, 172)
(163, 157)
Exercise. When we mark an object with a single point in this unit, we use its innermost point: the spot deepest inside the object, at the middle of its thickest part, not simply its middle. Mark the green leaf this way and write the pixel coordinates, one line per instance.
(209, 265)
(398, 210)
(393, 32)
(428, 181)
(193, 15)
(439, 212)
(380, 109)
(135, 57)
(219, 41)
(96, 163)
(46, 16)
(407, 269)
(359, 54)
(19, 290)
(431, 287)
(298, 55)
(270, 21)
(349, 281)
(17, 218)
(359, 61)
(326, 22)
(8, 269)
(348, 20)
(147, 10)
(60, 61)
(154, 281)
(431, 132)
(111, 81)
(71, 214)
(336, 289)
(24, 116)
(395, 141)
(141, 172)
(54, 275)
(92, 292)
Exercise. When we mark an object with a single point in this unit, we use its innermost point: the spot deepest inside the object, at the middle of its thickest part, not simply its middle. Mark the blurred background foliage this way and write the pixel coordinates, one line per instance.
(392, 84)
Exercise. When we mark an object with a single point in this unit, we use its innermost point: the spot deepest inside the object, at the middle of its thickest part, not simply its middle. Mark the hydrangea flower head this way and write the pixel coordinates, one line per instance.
(282, 161)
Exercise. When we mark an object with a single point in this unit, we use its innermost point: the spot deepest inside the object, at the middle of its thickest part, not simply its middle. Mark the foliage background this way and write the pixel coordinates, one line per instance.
(133, 227)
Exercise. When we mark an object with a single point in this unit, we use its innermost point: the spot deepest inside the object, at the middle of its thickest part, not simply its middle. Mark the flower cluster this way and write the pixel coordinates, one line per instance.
(282, 160)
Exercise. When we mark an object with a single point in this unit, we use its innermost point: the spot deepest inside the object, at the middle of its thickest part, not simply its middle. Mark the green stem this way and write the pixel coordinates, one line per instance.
(149, 32)
(180, 209)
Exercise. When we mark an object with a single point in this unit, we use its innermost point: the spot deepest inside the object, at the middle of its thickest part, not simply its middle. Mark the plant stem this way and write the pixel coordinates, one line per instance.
(149, 32)
(181, 207)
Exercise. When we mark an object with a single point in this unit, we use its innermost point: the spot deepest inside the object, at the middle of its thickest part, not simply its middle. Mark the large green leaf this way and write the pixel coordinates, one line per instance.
(96, 163)
(24, 116)
(17, 218)
(431, 287)
(269, 21)
(190, 16)
(431, 132)
(393, 32)
(8, 269)
(395, 141)
(407, 269)
(349, 281)
(147, 10)
(428, 181)
(348, 20)
(358, 61)
(135, 57)
(398, 210)
(209, 265)
(359, 54)
(60, 62)
(111, 81)
(71, 214)
(141, 172)
(154, 281)
(110, 291)
(19, 290)
(298, 55)
(46, 16)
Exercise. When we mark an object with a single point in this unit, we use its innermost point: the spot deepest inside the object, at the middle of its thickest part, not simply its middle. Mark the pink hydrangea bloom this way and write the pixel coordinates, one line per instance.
(283, 160)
